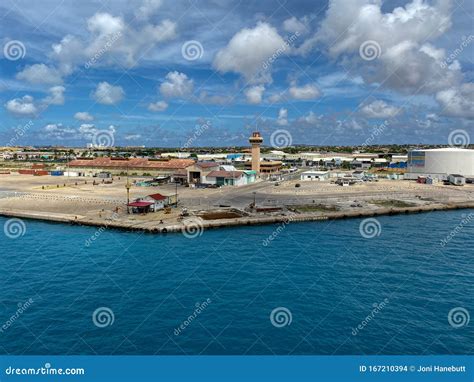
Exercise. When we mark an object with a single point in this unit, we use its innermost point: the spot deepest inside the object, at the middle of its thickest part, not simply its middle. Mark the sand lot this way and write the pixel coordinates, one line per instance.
(79, 198)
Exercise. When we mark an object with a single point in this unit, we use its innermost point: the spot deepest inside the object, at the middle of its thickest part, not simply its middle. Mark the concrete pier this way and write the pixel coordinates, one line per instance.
(193, 221)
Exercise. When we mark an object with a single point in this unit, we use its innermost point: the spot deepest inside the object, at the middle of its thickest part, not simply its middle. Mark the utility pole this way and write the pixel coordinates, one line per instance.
(176, 193)
(127, 186)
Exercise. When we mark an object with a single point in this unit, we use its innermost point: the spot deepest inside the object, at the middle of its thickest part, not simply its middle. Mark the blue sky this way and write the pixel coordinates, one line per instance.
(162, 73)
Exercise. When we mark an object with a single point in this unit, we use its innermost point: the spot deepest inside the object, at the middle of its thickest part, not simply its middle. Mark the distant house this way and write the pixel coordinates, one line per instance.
(227, 178)
(361, 163)
(140, 206)
(159, 201)
(315, 175)
(198, 172)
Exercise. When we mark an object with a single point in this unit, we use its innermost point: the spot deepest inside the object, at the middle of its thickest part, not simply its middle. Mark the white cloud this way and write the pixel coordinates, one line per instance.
(105, 24)
(55, 97)
(177, 85)
(112, 40)
(24, 106)
(405, 59)
(158, 106)
(28, 106)
(254, 94)
(147, 9)
(282, 119)
(379, 109)
(215, 99)
(40, 74)
(58, 131)
(294, 25)
(249, 52)
(108, 94)
(308, 91)
(83, 116)
(132, 137)
(310, 118)
(88, 130)
(457, 102)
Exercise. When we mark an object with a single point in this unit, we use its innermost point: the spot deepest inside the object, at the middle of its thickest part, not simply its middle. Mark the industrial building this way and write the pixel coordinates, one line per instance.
(315, 175)
(138, 166)
(440, 163)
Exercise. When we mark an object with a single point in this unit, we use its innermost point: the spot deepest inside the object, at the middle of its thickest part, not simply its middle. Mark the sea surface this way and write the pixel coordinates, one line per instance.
(298, 288)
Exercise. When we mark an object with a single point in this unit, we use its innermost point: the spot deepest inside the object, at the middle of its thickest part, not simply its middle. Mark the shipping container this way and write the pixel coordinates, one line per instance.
(26, 172)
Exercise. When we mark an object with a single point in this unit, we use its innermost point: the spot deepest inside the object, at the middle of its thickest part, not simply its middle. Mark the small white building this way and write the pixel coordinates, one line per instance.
(456, 179)
(315, 175)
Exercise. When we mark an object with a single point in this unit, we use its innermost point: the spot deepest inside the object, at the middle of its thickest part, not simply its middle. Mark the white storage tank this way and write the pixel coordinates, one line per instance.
(440, 163)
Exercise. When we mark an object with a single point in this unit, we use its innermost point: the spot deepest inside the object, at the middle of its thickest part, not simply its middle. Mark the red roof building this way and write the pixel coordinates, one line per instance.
(131, 164)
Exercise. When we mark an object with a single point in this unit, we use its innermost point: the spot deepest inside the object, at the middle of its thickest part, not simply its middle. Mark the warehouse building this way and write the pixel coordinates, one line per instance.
(133, 166)
(440, 163)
